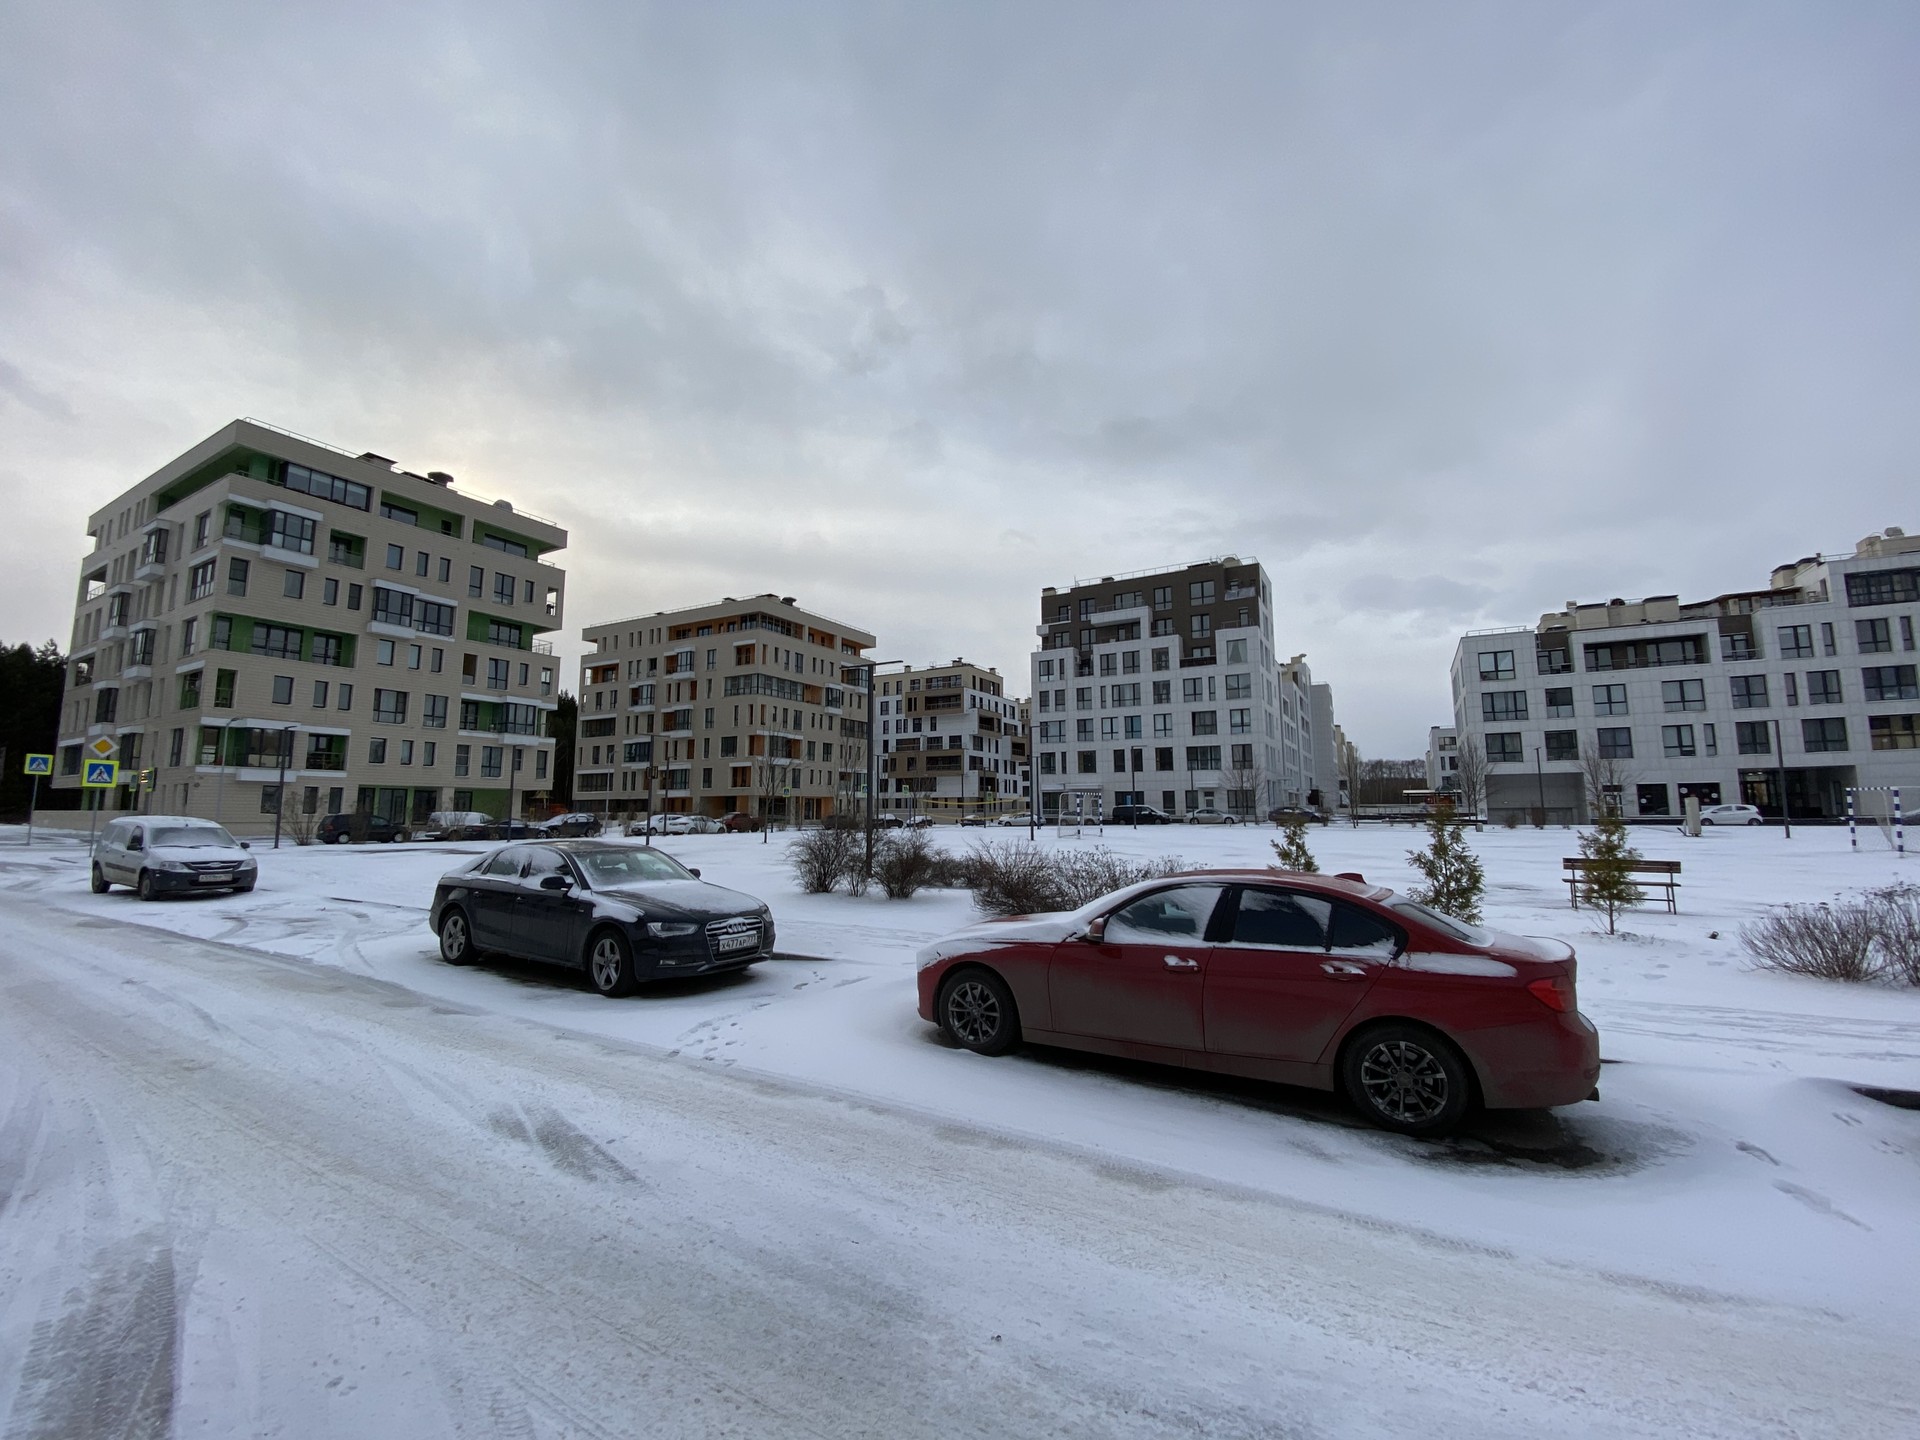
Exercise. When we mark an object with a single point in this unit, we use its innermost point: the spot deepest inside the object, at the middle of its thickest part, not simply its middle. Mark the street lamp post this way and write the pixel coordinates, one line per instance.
(280, 805)
(1540, 783)
(1780, 769)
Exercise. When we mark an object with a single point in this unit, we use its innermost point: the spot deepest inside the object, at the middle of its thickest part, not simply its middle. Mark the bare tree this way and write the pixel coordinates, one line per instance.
(1352, 771)
(1605, 778)
(773, 779)
(1243, 784)
(1471, 774)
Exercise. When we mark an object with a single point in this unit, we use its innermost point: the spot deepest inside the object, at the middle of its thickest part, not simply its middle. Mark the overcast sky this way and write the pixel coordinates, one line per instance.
(1448, 313)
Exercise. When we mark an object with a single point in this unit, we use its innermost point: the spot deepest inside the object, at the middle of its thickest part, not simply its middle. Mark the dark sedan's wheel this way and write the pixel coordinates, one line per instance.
(1406, 1078)
(976, 1010)
(97, 881)
(144, 886)
(610, 964)
(456, 938)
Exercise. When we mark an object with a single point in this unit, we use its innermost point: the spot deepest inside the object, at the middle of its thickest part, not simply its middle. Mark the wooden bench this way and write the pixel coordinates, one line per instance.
(1662, 875)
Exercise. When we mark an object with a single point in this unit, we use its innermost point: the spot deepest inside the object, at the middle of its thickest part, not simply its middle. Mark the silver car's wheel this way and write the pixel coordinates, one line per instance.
(610, 963)
(1407, 1078)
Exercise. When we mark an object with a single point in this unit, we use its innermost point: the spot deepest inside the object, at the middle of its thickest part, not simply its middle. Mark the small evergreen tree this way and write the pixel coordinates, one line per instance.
(1455, 880)
(1607, 881)
(1291, 848)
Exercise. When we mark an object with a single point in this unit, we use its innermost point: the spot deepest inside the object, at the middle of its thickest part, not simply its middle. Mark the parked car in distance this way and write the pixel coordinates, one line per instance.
(889, 821)
(1310, 980)
(576, 822)
(918, 822)
(455, 825)
(1207, 815)
(623, 913)
(1731, 815)
(512, 830)
(1139, 815)
(159, 855)
(1021, 820)
(973, 818)
(1283, 815)
(740, 822)
(336, 828)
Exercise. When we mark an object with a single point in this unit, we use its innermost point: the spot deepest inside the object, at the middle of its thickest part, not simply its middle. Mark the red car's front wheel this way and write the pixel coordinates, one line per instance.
(976, 1010)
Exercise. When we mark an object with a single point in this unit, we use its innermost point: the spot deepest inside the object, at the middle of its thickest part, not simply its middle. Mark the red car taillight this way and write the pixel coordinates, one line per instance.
(1555, 993)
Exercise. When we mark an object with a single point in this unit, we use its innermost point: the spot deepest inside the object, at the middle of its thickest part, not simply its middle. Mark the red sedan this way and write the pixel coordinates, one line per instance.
(1322, 981)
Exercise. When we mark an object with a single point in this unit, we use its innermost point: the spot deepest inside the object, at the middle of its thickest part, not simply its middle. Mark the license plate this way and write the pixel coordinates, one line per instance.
(226, 879)
(736, 942)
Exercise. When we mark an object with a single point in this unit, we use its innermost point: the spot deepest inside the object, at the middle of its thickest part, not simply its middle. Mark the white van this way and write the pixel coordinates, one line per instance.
(164, 854)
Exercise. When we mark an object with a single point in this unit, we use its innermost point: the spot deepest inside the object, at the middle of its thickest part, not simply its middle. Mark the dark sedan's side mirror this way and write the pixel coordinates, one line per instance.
(246, 845)
(556, 882)
(1097, 930)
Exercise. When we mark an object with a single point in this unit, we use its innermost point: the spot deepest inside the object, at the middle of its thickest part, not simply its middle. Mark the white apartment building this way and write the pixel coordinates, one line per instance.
(950, 741)
(1162, 687)
(1811, 680)
(1443, 760)
(753, 706)
(265, 603)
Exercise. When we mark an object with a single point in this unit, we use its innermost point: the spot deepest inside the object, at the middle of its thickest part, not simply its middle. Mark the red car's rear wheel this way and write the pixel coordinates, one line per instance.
(1407, 1078)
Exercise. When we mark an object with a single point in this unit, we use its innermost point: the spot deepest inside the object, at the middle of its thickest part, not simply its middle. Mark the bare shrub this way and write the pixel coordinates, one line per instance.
(903, 863)
(1896, 927)
(951, 872)
(1016, 879)
(822, 857)
(1826, 941)
(302, 825)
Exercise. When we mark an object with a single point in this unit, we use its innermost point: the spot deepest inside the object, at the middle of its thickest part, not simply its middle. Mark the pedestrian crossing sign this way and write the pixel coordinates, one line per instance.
(39, 765)
(101, 775)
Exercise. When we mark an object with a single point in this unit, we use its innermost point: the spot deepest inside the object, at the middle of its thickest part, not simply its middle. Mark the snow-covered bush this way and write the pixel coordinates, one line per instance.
(1896, 929)
(903, 862)
(1017, 879)
(823, 857)
(1826, 941)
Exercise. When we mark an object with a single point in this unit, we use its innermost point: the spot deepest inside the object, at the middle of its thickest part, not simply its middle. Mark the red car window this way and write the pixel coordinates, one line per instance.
(1282, 919)
(1176, 916)
(1356, 930)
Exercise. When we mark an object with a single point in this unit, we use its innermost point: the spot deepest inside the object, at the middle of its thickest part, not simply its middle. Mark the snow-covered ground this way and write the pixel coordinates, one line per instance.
(1730, 1169)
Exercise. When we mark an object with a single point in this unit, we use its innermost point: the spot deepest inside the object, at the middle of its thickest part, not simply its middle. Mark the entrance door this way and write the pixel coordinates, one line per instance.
(1144, 982)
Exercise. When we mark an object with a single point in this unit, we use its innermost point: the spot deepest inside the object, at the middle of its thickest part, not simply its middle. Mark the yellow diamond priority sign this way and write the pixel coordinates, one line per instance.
(103, 747)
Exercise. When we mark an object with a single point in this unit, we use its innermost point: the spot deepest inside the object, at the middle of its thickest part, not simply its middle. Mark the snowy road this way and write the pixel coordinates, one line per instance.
(246, 1195)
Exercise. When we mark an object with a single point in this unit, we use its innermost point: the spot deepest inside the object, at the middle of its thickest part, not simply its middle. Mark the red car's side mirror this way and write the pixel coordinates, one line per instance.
(1097, 930)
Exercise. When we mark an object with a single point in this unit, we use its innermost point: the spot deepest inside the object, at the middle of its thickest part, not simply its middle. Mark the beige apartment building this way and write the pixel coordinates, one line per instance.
(754, 706)
(266, 605)
(951, 742)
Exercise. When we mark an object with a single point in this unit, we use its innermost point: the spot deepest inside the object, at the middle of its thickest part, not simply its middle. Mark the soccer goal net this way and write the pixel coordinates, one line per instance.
(1877, 811)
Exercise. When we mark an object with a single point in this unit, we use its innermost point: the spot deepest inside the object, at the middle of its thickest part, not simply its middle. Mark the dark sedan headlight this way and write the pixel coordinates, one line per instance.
(669, 929)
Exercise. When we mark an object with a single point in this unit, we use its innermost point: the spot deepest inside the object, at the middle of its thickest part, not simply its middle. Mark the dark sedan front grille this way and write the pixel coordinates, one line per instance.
(721, 932)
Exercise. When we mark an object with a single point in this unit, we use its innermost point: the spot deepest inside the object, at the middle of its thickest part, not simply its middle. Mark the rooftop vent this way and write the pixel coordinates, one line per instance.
(1894, 532)
(506, 505)
(381, 459)
(786, 599)
(439, 477)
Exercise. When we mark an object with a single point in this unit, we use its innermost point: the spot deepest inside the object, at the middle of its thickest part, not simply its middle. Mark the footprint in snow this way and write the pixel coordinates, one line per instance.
(1747, 1148)
(1817, 1202)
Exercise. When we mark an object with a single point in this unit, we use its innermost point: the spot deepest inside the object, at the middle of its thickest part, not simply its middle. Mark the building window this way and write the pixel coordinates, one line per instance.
(497, 671)
(476, 582)
(1504, 749)
(1796, 642)
(503, 588)
(1818, 736)
(1206, 722)
(1560, 704)
(1873, 636)
(200, 580)
(1823, 687)
(295, 585)
(396, 557)
(190, 690)
(1891, 682)
(319, 694)
(390, 707)
(1496, 664)
(1676, 741)
(1161, 660)
(1609, 699)
(462, 759)
(490, 761)
(377, 750)
(236, 576)
(1883, 587)
(1683, 695)
(1884, 732)
(1563, 745)
(223, 682)
(1240, 722)
(202, 524)
(1163, 757)
(283, 689)
(1503, 705)
(1653, 799)
(289, 532)
(1749, 691)
(330, 591)
(279, 641)
(1203, 757)
(1614, 744)
(1753, 737)
(344, 692)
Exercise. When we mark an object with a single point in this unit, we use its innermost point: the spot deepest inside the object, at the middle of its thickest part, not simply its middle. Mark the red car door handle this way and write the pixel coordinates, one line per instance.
(1345, 970)
(1175, 962)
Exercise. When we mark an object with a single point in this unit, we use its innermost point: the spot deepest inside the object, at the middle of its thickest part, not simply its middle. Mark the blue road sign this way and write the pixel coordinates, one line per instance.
(101, 774)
